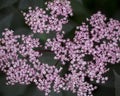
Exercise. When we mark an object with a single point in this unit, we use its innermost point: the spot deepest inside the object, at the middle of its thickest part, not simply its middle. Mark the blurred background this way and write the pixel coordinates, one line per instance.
(11, 17)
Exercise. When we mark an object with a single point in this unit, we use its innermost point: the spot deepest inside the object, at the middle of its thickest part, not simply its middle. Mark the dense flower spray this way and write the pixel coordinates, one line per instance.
(20, 62)
(94, 46)
(51, 19)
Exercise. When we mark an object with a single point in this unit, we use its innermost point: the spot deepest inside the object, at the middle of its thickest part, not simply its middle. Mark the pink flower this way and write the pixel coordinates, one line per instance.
(58, 13)
(94, 46)
(20, 62)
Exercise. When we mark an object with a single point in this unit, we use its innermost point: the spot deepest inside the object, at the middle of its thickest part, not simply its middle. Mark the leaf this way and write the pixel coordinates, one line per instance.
(23, 30)
(56, 94)
(104, 91)
(6, 22)
(68, 93)
(44, 36)
(18, 20)
(69, 26)
(31, 90)
(49, 59)
(7, 3)
(117, 15)
(81, 2)
(78, 7)
(24, 4)
(8, 90)
(108, 7)
(117, 83)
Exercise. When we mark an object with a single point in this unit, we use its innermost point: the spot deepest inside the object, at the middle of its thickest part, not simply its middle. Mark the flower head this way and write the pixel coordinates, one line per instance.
(51, 19)
(94, 46)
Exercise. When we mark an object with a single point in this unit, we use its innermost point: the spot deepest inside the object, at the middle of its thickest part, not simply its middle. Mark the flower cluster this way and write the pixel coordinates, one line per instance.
(94, 46)
(20, 61)
(51, 19)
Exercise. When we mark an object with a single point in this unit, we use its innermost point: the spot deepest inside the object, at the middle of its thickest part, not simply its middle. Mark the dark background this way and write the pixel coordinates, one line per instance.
(11, 17)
